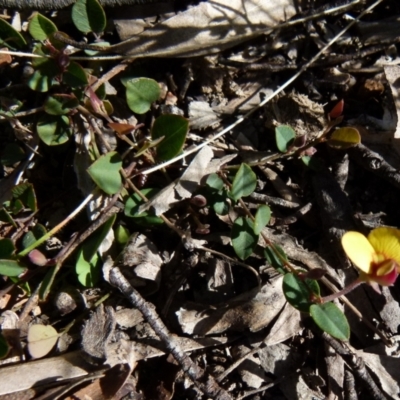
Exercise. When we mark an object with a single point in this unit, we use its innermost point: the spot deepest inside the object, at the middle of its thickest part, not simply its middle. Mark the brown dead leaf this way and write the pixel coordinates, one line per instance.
(105, 387)
(250, 369)
(5, 58)
(285, 327)
(202, 116)
(141, 261)
(254, 315)
(96, 334)
(208, 28)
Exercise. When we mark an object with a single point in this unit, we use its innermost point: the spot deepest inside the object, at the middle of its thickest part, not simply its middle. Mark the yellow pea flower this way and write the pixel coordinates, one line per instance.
(377, 257)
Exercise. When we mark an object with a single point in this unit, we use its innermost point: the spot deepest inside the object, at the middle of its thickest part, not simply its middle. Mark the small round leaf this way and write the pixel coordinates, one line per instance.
(331, 320)
(337, 110)
(88, 265)
(9, 34)
(41, 27)
(11, 268)
(215, 182)
(105, 172)
(141, 93)
(220, 202)
(284, 136)
(263, 215)
(298, 292)
(343, 138)
(75, 76)
(244, 183)
(53, 129)
(41, 340)
(60, 104)
(133, 204)
(174, 129)
(244, 240)
(89, 16)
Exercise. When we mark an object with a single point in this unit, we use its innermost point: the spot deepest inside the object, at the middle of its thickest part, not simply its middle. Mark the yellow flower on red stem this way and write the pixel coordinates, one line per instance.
(377, 257)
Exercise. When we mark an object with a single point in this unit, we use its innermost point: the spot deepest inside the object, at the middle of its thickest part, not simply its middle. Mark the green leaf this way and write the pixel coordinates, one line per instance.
(133, 203)
(121, 235)
(41, 50)
(174, 129)
(9, 34)
(89, 16)
(141, 93)
(75, 76)
(33, 235)
(25, 193)
(45, 70)
(284, 135)
(105, 172)
(88, 272)
(263, 215)
(7, 248)
(299, 292)
(42, 79)
(53, 129)
(244, 183)
(4, 347)
(11, 268)
(244, 240)
(343, 138)
(88, 265)
(273, 259)
(16, 206)
(314, 163)
(6, 217)
(41, 27)
(59, 104)
(220, 202)
(11, 154)
(331, 320)
(215, 182)
(47, 282)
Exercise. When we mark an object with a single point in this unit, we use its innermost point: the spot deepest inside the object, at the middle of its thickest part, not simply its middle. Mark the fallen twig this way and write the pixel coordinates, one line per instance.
(206, 383)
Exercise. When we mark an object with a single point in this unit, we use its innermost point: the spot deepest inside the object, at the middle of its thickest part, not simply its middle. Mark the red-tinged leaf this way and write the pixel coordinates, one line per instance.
(37, 257)
(121, 129)
(337, 111)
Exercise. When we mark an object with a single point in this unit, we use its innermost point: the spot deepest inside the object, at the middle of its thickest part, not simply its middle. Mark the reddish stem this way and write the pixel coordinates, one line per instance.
(342, 292)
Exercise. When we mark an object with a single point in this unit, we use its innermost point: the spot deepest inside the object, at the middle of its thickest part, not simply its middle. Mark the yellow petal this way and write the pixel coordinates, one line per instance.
(359, 250)
(385, 268)
(386, 241)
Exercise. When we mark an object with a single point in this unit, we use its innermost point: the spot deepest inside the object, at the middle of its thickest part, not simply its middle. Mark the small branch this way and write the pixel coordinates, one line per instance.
(206, 383)
(357, 365)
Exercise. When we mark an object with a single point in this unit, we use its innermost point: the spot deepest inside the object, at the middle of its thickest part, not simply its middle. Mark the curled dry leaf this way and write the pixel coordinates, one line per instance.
(141, 256)
(96, 334)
